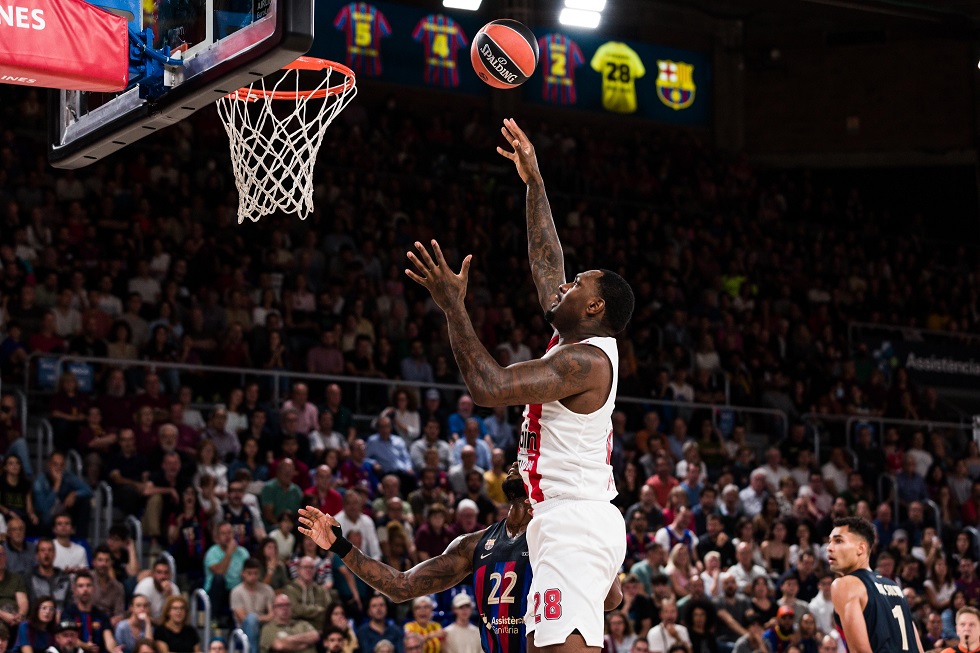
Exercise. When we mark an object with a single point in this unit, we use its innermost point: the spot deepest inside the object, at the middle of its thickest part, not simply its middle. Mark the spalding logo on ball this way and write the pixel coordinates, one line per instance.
(504, 53)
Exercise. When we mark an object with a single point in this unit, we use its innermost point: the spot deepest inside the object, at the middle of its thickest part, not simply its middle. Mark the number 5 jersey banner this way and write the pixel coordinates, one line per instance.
(364, 26)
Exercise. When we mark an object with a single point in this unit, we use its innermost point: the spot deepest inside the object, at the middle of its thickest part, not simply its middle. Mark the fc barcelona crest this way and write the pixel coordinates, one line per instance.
(675, 84)
(489, 544)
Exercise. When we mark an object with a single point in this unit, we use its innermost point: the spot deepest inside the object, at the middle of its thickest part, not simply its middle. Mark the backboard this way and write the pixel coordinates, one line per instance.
(224, 44)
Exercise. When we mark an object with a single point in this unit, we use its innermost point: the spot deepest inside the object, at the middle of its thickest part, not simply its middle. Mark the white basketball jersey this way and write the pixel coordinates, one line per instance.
(563, 454)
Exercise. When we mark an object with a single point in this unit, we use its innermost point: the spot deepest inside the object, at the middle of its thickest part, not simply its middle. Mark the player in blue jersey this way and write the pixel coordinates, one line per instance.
(869, 608)
(496, 556)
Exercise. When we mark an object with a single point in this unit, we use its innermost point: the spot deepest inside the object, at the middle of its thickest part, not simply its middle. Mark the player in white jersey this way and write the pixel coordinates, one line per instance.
(577, 539)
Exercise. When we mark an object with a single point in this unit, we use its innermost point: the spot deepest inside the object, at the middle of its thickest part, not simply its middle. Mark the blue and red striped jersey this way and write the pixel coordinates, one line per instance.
(560, 56)
(364, 26)
(501, 581)
(441, 38)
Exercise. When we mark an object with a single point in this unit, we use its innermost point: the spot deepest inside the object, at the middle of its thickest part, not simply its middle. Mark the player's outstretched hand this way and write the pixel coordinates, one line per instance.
(447, 288)
(523, 154)
(316, 525)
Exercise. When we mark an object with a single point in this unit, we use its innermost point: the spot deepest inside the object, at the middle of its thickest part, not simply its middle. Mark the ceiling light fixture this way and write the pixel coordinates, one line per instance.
(468, 5)
(579, 18)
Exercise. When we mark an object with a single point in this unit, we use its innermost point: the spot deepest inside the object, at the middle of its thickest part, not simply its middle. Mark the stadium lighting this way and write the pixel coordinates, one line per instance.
(468, 5)
(586, 5)
(579, 18)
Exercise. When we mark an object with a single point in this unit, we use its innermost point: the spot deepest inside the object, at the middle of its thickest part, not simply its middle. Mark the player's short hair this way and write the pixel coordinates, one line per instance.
(619, 300)
(967, 610)
(860, 527)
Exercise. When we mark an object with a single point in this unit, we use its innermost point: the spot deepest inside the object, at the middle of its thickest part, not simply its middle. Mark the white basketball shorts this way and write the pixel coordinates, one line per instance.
(576, 550)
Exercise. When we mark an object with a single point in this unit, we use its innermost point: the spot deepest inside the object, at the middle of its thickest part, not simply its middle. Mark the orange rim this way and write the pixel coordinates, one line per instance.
(247, 94)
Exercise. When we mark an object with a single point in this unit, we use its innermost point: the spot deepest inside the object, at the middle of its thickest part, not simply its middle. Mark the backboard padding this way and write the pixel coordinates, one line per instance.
(79, 137)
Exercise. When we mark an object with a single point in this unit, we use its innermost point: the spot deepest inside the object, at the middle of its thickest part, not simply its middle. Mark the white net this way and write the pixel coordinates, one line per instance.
(275, 135)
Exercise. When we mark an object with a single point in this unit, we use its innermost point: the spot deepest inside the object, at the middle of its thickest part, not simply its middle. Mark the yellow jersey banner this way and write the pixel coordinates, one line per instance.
(620, 67)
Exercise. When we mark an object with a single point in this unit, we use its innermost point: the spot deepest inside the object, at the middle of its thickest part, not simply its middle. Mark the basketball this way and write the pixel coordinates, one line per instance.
(504, 53)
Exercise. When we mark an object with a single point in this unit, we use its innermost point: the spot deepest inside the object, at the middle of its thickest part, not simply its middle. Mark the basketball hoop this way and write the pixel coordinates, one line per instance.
(273, 155)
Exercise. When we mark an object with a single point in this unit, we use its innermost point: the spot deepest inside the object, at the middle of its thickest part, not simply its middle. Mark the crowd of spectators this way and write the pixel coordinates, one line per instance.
(741, 276)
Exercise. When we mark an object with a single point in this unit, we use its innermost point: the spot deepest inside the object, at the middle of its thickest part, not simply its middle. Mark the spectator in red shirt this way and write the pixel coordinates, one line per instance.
(154, 397)
(970, 509)
(147, 437)
(434, 535)
(46, 341)
(322, 494)
(188, 437)
(69, 409)
(662, 482)
(117, 408)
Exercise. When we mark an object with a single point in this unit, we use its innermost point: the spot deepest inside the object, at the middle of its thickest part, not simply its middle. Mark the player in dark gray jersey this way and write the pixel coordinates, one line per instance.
(870, 610)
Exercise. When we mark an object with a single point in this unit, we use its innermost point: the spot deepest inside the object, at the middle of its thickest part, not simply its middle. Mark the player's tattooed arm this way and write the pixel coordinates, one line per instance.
(429, 577)
(570, 371)
(543, 247)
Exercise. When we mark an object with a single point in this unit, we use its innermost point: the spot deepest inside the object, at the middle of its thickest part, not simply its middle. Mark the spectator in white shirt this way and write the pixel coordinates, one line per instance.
(68, 556)
(307, 415)
(157, 587)
(461, 635)
(822, 607)
(67, 320)
(515, 347)
(324, 437)
(774, 469)
(668, 632)
(754, 496)
(352, 517)
(144, 283)
(746, 571)
(836, 470)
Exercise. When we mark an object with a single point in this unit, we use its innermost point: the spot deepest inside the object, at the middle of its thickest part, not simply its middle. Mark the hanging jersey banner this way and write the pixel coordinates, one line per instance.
(365, 26)
(441, 37)
(560, 56)
(620, 67)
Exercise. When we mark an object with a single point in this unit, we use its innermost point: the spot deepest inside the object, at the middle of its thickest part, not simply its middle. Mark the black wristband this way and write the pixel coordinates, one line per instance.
(341, 546)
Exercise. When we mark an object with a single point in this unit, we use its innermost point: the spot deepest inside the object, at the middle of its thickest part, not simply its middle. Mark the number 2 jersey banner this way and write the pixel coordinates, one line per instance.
(576, 70)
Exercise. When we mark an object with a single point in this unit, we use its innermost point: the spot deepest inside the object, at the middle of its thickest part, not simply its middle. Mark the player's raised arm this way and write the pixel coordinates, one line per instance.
(543, 246)
(847, 593)
(429, 577)
(571, 371)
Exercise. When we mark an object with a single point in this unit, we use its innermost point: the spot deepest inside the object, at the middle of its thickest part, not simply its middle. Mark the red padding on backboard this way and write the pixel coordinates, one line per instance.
(66, 44)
